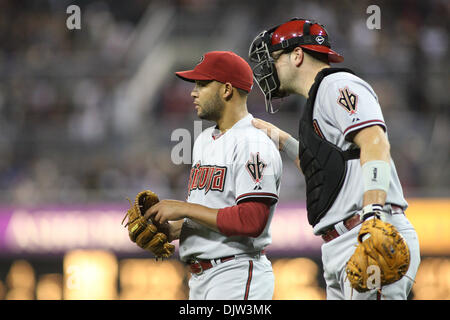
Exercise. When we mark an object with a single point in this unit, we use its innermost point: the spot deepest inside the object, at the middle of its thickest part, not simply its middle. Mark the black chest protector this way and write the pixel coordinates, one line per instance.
(324, 165)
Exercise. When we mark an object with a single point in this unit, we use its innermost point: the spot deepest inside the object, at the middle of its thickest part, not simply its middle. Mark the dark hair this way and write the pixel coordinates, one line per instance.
(323, 57)
(242, 93)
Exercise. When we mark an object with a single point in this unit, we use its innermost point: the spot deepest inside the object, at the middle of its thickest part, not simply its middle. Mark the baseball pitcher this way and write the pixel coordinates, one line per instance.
(234, 182)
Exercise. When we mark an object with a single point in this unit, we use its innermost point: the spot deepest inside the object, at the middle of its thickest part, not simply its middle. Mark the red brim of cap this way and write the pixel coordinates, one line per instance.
(192, 75)
(333, 56)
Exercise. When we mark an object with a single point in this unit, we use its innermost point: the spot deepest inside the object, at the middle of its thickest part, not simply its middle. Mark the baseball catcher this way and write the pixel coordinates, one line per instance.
(380, 245)
(354, 197)
(145, 233)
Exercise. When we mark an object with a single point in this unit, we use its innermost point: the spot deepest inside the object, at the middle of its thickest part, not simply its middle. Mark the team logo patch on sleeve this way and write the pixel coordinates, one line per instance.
(348, 100)
(255, 167)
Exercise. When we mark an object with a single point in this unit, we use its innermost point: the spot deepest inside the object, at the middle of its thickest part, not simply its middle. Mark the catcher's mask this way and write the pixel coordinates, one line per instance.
(296, 32)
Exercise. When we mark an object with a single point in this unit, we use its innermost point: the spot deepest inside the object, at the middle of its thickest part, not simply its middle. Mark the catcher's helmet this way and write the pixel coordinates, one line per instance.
(304, 33)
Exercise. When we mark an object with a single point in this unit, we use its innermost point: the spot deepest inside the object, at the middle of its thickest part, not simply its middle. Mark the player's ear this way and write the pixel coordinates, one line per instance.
(298, 56)
(227, 91)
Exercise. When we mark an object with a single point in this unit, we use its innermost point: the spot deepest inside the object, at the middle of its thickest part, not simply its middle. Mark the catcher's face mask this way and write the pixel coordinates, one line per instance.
(295, 33)
(264, 71)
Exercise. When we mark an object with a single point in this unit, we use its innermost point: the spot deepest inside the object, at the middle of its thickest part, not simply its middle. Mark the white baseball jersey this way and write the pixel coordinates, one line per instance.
(346, 103)
(239, 164)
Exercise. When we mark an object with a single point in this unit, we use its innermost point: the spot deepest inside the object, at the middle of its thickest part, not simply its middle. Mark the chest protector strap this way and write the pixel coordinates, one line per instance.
(324, 165)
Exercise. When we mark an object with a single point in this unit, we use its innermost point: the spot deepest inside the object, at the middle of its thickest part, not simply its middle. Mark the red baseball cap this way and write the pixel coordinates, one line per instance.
(222, 66)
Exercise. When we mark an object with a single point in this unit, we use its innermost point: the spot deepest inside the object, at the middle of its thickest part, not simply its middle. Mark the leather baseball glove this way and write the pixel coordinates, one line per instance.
(145, 233)
(381, 245)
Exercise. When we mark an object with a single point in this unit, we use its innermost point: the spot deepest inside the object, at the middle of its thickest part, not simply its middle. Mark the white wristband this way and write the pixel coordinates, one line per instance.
(291, 147)
(376, 175)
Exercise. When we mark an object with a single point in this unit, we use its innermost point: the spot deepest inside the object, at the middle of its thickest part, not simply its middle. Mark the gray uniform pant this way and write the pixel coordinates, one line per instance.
(245, 277)
(338, 251)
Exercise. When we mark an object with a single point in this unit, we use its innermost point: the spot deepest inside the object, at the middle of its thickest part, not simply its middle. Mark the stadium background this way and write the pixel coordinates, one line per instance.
(86, 118)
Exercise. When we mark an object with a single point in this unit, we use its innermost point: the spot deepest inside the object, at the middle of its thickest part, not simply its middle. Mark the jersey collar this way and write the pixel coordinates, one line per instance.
(216, 133)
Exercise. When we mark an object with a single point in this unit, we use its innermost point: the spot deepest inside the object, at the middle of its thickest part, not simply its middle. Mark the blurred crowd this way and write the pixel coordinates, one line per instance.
(61, 138)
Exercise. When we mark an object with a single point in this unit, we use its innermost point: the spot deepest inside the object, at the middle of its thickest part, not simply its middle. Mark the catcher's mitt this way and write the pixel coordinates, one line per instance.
(145, 233)
(381, 245)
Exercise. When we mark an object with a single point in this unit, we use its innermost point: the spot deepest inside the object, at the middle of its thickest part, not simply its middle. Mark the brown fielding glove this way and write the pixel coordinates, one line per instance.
(382, 245)
(147, 235)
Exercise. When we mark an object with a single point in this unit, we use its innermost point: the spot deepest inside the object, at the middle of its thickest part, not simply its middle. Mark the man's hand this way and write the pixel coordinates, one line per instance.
(277, 135)
(167, 210)
(173, 210)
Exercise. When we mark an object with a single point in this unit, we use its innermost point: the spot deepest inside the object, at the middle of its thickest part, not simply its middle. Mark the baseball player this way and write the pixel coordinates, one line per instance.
(343, 150)
(233, 188)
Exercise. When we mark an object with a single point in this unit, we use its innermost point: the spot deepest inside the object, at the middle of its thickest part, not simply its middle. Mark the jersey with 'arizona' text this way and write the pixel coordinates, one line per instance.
(241, 163)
